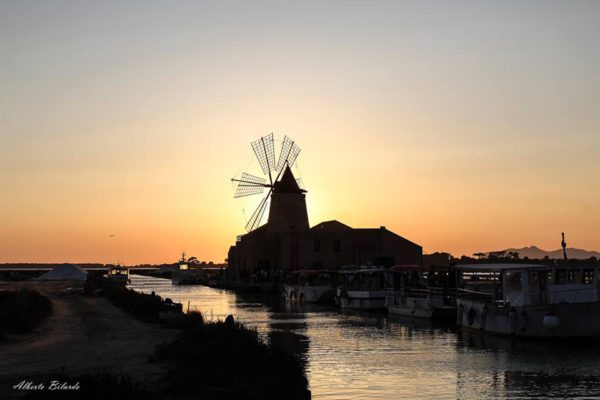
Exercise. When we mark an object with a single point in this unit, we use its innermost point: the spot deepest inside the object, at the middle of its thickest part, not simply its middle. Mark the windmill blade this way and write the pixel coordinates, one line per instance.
(265, 153)
(257, 215)
(247, 190)
(289, 153)
(249, 185)
(300, 183)
(251, 180)
(248, 178)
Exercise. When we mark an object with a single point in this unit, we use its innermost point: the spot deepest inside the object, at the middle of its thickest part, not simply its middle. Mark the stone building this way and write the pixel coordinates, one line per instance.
(287, 242)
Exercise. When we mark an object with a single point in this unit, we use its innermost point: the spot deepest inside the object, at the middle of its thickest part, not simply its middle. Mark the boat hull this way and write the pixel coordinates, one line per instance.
(308, 294)
(121, 279)
(422, 308)
(565, 320)
(362, 300)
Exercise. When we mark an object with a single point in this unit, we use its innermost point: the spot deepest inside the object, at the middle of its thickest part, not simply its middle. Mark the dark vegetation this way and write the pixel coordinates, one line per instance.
(98, 386)
(442, 258)
(22, 311)
(224, 360)
(14, 276)
(145, 307)
(221, 360)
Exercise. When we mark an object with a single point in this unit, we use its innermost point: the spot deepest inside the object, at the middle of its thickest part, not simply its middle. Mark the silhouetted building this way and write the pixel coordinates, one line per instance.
(286, 241)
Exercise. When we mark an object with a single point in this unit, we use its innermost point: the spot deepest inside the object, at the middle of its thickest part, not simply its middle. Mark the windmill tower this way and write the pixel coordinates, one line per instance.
(285, 197)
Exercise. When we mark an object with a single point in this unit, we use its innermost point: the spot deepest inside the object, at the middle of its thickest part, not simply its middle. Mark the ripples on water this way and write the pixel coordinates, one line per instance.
(375, 356)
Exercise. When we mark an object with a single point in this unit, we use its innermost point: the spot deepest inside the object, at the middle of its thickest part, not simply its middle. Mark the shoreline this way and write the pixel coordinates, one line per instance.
(83, 334)
(115, 338)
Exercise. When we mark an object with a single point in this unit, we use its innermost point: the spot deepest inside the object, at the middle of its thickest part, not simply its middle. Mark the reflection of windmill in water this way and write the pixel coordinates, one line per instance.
(287, 205)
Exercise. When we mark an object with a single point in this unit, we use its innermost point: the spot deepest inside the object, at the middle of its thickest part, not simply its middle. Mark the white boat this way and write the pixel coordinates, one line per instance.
(363, 289)
(119, 274)
(187, 274)
(421, 292)
(559, 301)
(309, 286)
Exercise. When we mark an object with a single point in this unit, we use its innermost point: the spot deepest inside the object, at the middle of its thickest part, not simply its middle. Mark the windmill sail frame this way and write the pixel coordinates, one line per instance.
(249, 185)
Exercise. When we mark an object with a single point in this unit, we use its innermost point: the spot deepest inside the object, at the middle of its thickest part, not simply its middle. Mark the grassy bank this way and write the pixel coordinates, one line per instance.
(21, 311)
(224, 360)
(220, 360)
(145, 307)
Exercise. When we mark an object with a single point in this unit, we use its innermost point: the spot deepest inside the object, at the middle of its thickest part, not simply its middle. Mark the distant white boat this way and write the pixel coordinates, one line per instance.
(187, 274)
(119, 274)
(363, 288)
(528, 300)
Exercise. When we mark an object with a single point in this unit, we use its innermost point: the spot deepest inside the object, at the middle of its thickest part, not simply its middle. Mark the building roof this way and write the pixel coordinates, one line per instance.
(332, 225)
(255, 232)
(384, 229)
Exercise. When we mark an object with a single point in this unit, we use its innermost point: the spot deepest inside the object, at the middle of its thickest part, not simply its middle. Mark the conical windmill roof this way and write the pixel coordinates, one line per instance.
(287, 183)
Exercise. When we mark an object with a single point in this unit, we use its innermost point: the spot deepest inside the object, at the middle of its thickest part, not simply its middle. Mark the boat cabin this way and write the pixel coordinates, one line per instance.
(528, 284)
(118, 273)
(309, 277)
(364, 278)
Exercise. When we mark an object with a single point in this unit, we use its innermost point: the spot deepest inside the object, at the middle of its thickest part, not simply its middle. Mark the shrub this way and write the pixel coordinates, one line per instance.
(193, 319)
(224, 360)
(145, 307)
(23, 310)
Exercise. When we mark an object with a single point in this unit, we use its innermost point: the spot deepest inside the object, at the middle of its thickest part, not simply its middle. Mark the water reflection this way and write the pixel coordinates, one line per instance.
(354, 355)
(527, 368)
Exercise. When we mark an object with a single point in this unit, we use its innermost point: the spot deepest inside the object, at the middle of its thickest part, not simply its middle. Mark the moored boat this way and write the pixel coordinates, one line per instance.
(186, 274)
(422, 292)
(119, 274)
(529, 300)
(363, 288)
(309, 286)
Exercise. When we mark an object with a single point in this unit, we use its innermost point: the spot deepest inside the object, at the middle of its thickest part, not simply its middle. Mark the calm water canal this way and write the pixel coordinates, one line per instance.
(374, 356)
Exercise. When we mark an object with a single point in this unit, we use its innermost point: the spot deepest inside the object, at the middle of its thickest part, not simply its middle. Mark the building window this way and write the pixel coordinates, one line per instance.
(337, 246)
(317, 246)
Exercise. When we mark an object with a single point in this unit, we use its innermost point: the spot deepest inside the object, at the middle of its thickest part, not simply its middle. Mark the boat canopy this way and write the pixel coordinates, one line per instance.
(362, 271)
(402, 268)
(500, 267)
(311, 272)
(416, 267)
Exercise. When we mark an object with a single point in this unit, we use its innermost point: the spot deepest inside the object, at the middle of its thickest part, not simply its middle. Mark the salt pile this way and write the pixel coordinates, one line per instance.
(65, 272)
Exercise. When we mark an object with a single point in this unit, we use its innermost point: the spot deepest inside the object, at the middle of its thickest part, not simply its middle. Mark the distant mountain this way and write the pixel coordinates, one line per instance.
(536, 252)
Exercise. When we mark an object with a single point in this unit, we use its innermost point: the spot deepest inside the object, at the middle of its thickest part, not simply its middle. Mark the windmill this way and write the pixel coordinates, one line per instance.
(272, 168)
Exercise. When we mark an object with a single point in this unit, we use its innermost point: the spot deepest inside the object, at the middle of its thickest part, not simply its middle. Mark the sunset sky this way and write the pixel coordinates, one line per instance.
(462, 126)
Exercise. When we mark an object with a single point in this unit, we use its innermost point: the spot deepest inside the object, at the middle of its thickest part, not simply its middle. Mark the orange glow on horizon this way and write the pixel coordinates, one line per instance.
(461, 129)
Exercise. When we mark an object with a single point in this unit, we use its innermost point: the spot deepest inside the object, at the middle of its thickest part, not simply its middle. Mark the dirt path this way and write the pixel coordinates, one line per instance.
(84, 334)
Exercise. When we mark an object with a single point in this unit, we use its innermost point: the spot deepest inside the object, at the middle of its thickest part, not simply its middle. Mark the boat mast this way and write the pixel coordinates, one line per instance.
(564, 247)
